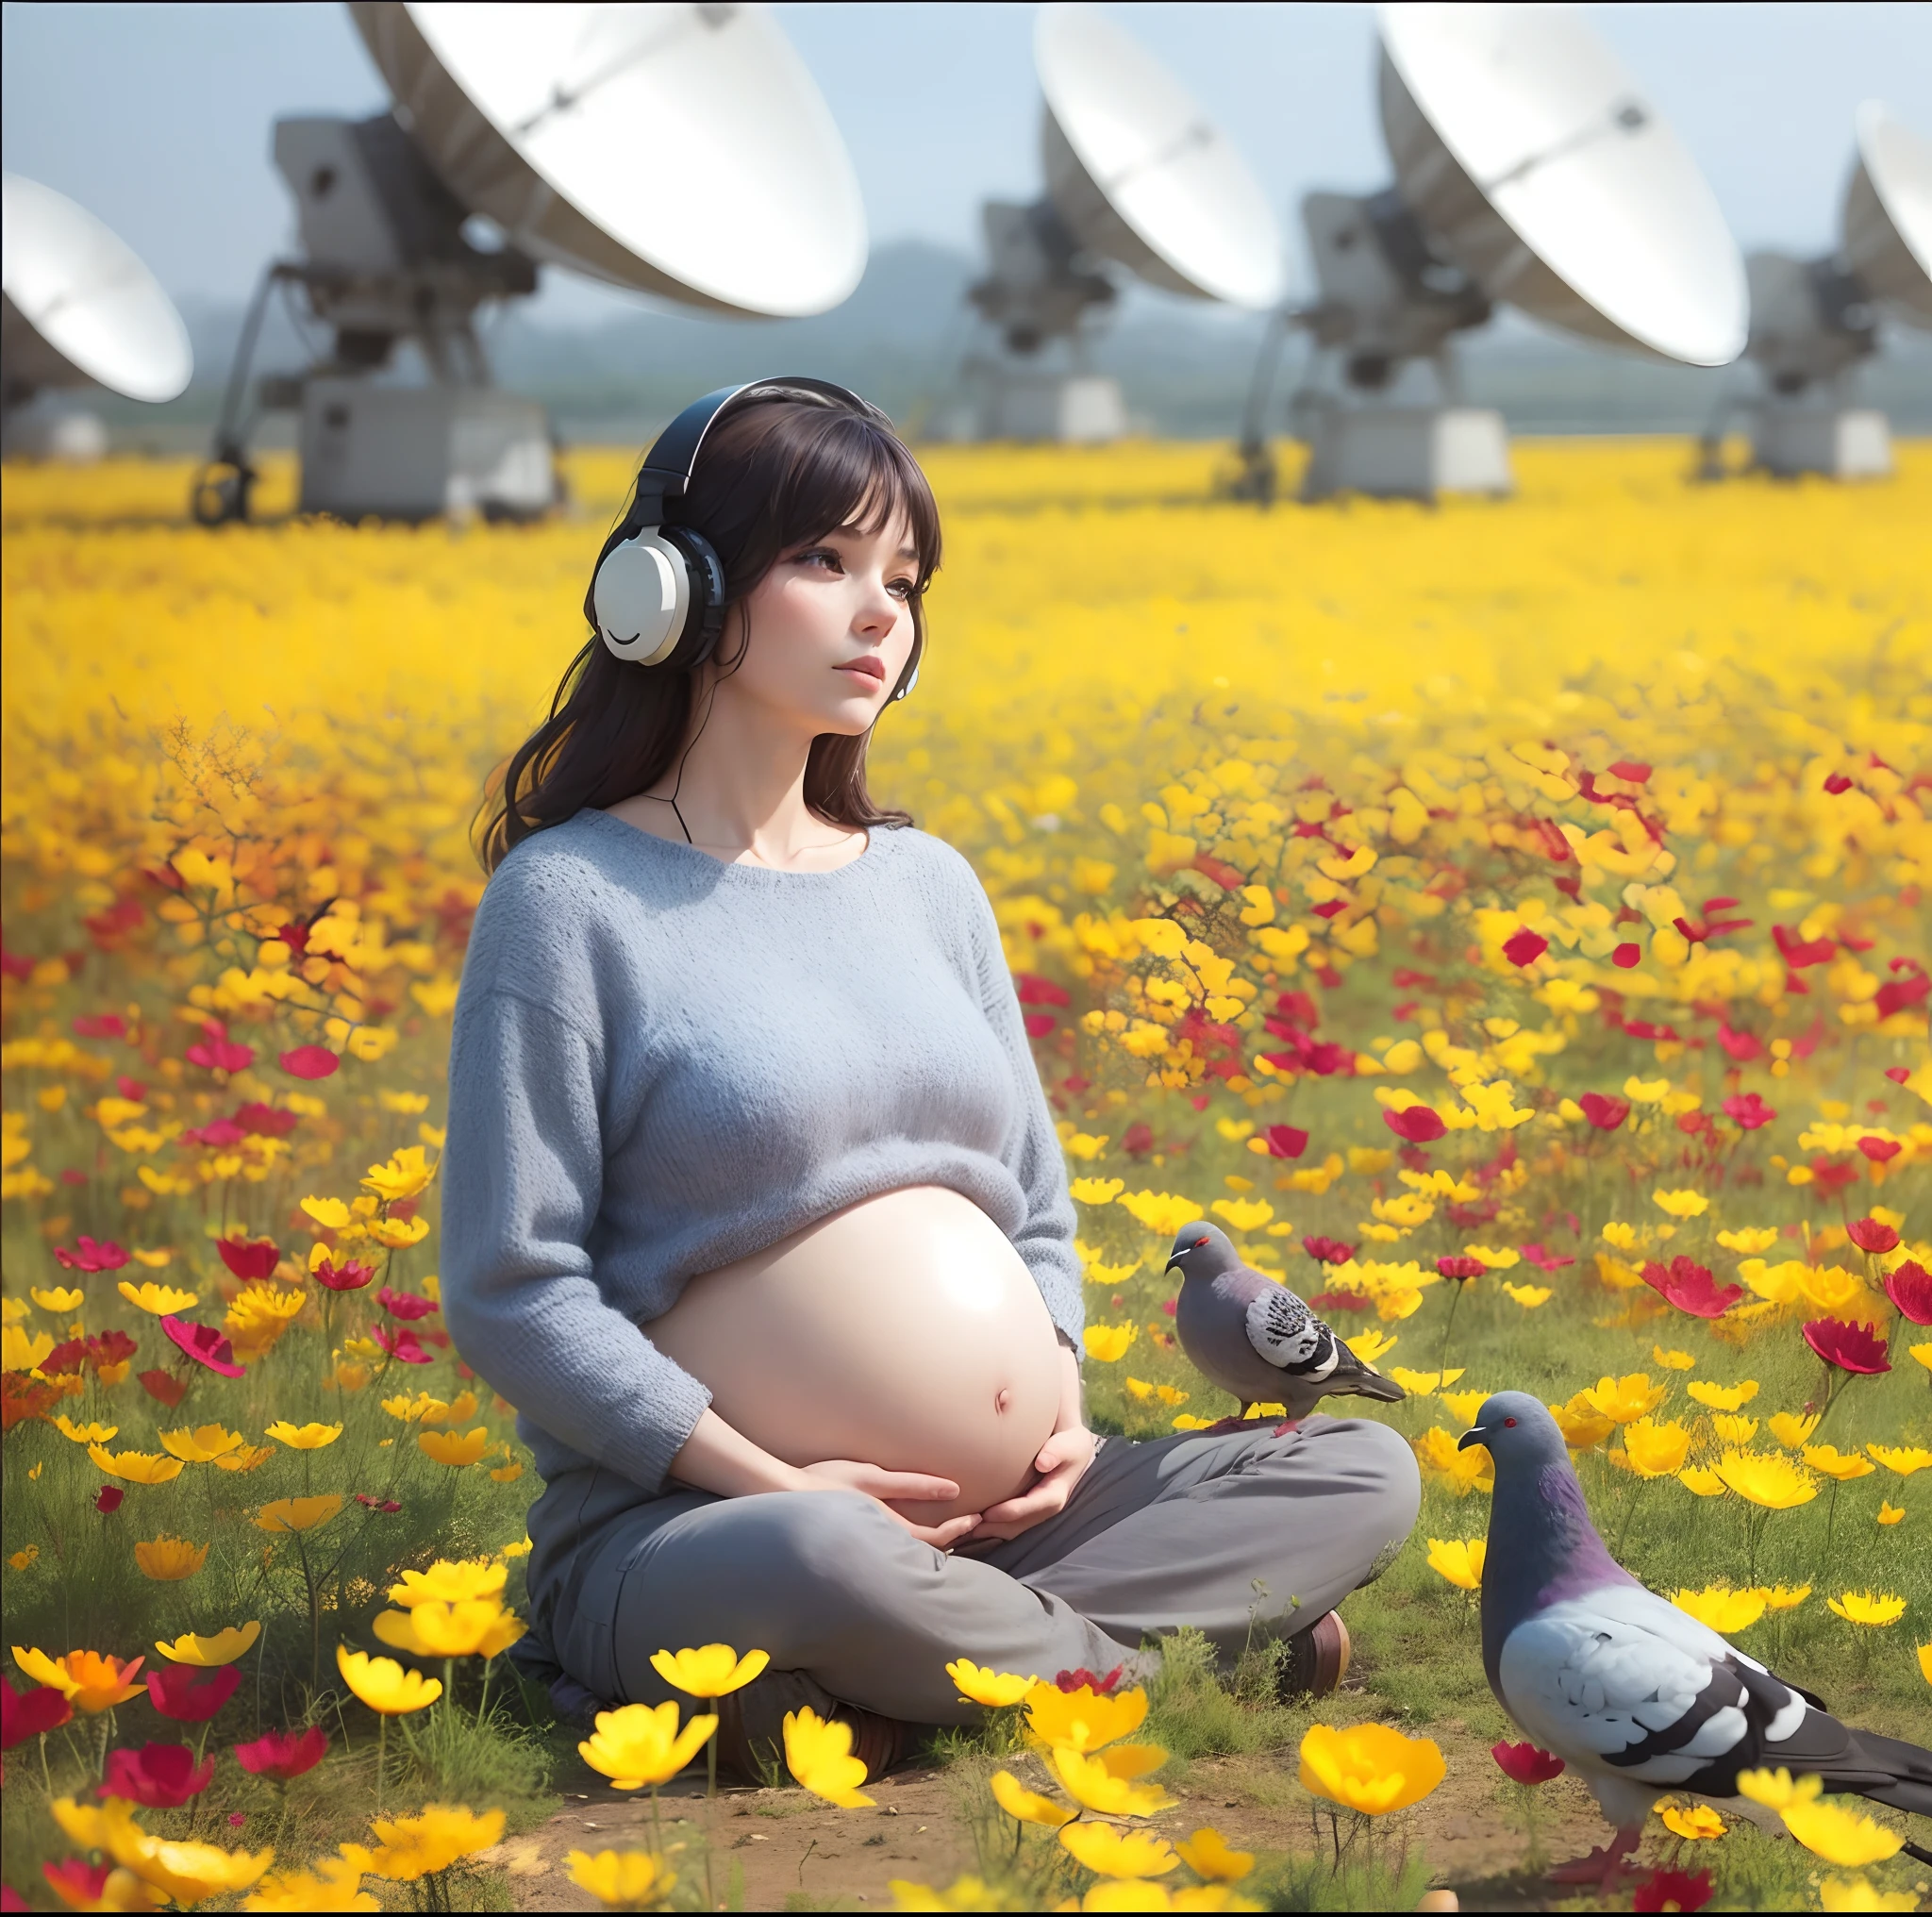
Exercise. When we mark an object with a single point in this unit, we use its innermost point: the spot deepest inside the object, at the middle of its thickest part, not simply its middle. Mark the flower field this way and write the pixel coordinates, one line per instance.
(1509, 921)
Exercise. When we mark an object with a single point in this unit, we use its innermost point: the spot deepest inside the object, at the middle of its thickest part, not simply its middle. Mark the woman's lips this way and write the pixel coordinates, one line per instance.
(867, 668)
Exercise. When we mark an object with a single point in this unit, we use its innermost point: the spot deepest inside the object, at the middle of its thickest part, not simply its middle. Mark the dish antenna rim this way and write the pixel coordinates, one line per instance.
(1872, 121)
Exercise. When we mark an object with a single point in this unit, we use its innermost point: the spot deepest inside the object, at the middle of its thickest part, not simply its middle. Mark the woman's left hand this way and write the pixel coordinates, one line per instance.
(1061, 1464)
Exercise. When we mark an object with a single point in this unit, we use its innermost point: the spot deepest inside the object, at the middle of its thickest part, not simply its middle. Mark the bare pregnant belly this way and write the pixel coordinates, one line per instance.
(904, 1330)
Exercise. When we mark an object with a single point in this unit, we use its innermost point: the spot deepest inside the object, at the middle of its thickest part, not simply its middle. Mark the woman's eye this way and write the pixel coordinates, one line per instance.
(901, 588)
(820, 555)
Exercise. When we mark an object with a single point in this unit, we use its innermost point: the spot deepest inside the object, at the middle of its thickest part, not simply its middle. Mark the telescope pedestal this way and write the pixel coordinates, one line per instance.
(1059, 408)
(1841, 442)
(416, 452)
(1407, 452)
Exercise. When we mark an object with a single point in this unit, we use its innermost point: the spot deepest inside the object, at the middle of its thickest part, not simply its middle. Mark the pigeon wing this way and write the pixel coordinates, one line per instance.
(1286, 1334)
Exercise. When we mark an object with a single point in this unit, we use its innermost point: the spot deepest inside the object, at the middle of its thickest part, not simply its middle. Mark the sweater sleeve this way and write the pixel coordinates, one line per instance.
(523, 1175)
(1032, 1153)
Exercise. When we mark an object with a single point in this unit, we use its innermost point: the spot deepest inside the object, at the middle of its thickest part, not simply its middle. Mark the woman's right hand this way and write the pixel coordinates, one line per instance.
(892, 1488)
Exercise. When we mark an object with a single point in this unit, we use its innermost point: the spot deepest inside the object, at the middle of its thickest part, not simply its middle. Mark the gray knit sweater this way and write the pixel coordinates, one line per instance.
(661, 1062)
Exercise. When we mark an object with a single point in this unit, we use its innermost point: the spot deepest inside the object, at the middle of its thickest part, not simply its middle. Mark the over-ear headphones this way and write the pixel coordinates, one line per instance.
(658, 594)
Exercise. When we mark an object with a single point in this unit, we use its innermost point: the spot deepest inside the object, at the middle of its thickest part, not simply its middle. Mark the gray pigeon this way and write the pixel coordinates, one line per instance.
(1255, 1337)
(1634, 1695)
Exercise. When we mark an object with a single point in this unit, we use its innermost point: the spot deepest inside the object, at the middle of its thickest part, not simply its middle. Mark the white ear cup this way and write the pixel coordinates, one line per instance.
(643, 594)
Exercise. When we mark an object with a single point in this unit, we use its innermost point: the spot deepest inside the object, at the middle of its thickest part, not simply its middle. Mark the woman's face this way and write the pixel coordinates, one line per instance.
(831, 629)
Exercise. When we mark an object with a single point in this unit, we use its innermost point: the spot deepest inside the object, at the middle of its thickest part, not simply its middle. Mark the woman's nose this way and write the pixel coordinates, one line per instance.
(879, 612)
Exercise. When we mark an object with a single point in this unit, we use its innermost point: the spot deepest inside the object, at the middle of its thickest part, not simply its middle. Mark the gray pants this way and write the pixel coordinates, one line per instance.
(1240, 1533)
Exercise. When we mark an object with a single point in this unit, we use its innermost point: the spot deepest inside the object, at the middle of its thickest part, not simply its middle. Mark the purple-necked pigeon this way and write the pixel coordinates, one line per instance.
(1634, 1696)
(1252, 1337)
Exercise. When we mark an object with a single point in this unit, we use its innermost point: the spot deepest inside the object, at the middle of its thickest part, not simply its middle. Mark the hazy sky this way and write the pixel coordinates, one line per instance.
(157, 117)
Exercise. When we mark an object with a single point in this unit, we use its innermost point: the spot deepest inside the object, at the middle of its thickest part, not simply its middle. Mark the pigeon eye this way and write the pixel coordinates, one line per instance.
(1199, 1243)
(1509, 1424)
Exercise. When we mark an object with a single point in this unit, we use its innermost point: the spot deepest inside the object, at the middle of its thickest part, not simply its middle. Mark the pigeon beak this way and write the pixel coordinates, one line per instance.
(1473, 1436)
(1170, 1263)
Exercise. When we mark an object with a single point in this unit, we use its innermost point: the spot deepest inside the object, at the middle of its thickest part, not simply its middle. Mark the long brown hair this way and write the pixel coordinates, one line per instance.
(774, 475)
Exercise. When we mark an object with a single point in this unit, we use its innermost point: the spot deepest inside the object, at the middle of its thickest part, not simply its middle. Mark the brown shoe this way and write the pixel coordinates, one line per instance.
(1316, 1658)
(751, 1737)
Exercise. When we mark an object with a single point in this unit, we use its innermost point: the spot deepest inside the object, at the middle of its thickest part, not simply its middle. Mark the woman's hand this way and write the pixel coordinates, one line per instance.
(907, 1487)
(1061, 1464)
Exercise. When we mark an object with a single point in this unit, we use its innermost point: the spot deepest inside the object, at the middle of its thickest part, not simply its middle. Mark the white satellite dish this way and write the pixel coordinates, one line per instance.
(80, 307)
(1530, 168)
(679, 150)
(1136, 177)
(1815, 322)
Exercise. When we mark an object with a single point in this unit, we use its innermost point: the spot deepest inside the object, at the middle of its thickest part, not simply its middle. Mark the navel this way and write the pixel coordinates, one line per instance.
(1003, 1398)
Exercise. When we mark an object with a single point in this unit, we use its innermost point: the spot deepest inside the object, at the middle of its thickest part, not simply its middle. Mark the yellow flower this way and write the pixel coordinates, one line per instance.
(398, 1234)
(1778, 1789)
(438, 1836)
(246, 1458)
(1702, 1479)
(1461, 1562)
(1208, 1856)
(642, 1745)
(1460, 1472)
(818, 1753)
(1109, 1342)
(621, 1881)
(1029, 1806)
(1695, 1821)
(1842, 1465)
(59, 1300)
(1681, 1204)
(201, 1446)
(1720, 1608)
(1889, 1513)
(89, 1680)
(297, 1513)
(1733, 1431)
(473, 1627)
(1582, 1424)
(1860, 1894)
(1104, 1849)
(1103, 1782)
(1767, 1478)
(305, 1437)
(330, 1212)
(87, 1434)
(184, 1872)
(168, 1560)
(1099, 1192)
(1369, 1768)
(1791, 1431)
(335, 1884)
(1923, 1353)
(1925, 1655)
(1370, 1344)
(713, 1671)
(1749, 1239)
(1839, 1836)
(1621, 1400)
(400, 1176)
(21, 1559)
(136, 1467)
(159, 1300)
(383, 1685)
(447, 1448)
(986, 1686)
(449, 1581)
(1867, 1607)
(1655, 1450)
(1671, 1361)
(1463, 1406)
(1418, 1384)
(967, 1893)
(1903, 1459)
(1085, 1719)
(1529, 1296)
(1722, 1397)
(22, 1351)
(210, 1653)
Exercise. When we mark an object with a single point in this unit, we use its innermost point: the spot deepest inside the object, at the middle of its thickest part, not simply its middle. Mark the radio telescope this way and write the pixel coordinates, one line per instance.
(680, 151)
(1529, 170)
(1136, 179)
(80, 309)
(1815, 322)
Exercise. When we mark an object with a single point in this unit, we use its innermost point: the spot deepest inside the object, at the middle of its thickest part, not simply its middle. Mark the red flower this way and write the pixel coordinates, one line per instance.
(1338, 1301)
(105, 1025)
(249, 1257)
(161, 1777)
(1688, 1286)
(1034, 989)
(111, 1347)
(1418, 1124)
(108, 1499)
(23, 1397)
(1329, 1251)
(1748, 1111)
(26, 1714)
(281, 1754)
(190, 1695)
(1837, 783)
(406, 1304)
(346, 1276)
(1910, 1289)
(1038, 1024)
(1856, 1348)
(1527, 1764)
(1544, 1260)
(1672, 1891)
(217, 1052)
(164, 1386)
(78, 1884)
(1461, 1269)
(1898, 1073)
(1880, 1151)
(308, 1062)
(1898, 994)
(1080, 1677)
(1524, 947)
(1603, 1112)
(1830, 1178)
(1627, 956)
(1286, 1142)
(401, 1345)
(1872, 1235)
(65, 1359)
(267, 1120)
(204, 1344)
(362, 1497)
(90, 1256)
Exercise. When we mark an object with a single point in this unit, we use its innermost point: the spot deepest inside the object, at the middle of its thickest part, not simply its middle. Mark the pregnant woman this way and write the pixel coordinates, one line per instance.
(754, 1205)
